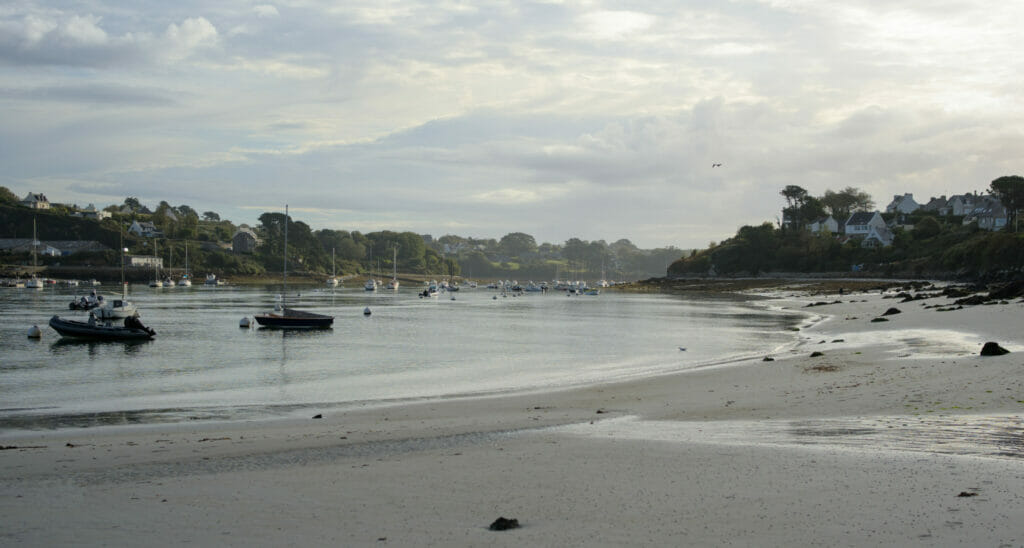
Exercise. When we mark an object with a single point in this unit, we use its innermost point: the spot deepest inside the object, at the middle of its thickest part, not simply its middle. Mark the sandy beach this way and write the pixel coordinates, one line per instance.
(899, 433)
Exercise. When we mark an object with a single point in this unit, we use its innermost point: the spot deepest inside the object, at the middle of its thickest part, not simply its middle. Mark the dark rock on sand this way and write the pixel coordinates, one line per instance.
(993, 349)
(768, 359)
(967, 494)
(503, 524)
(318, 416)
(817, 354)
(892, 311)
(876, 320)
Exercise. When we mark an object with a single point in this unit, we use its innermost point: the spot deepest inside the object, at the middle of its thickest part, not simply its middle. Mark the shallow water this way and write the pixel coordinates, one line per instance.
(203, 366)
(993, 436)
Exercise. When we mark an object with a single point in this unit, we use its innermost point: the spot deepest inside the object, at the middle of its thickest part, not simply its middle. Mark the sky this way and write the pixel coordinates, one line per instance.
(560, 119)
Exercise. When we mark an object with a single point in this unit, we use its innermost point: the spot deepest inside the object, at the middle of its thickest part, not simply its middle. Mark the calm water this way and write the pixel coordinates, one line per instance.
(203, 366)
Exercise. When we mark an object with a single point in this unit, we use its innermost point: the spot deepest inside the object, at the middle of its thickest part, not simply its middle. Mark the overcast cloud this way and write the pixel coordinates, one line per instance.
(587, 119)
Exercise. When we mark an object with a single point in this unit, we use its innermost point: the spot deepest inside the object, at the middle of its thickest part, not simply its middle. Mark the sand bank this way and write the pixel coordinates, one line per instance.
(870, 443)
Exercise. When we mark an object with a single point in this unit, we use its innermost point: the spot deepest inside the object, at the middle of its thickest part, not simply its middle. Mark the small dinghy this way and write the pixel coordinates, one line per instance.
(132, 330)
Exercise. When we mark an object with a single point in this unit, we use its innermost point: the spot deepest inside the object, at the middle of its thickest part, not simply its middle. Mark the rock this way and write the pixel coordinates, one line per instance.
(876, 320)
(967, 494)
(817, 354)
(892, 311)
(318, 416)
(503, 524)
(768, 359)
(993, 349)
(1010, 290)
(972, 300)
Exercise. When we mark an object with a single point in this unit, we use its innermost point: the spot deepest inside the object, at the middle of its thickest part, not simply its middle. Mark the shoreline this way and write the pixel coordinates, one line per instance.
(689, 457)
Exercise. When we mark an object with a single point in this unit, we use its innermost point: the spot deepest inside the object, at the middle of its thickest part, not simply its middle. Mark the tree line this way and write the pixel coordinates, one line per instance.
(940, 246)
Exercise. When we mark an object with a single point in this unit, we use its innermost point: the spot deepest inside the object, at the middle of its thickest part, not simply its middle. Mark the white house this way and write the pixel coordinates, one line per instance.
(36, 201)
(823, 224)
(859, 224)
(902, 204)
(961, 204)
(144, 229)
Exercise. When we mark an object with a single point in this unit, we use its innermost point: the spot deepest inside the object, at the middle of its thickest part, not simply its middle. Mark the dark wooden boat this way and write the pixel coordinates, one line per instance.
(289, 318)
(283, 317)
(102, 331)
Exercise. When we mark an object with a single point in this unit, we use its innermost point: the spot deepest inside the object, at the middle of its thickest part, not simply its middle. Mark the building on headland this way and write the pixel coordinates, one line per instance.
(90, 212)
(35, 200)
(244, 241)
(902, 204)
(824, 224)
(989, 213)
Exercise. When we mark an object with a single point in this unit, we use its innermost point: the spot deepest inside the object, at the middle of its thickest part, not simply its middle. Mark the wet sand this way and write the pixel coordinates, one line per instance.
(873, 442)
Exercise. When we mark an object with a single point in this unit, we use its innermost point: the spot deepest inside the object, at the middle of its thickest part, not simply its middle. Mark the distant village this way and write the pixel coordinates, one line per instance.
(874, 231)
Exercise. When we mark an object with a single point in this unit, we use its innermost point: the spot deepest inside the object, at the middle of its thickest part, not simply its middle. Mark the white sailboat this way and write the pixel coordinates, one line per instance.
(34, 282)
(118, 308)
(393, 284)
(168, 281)
(333, 280)
(155, 282)
(186, 280)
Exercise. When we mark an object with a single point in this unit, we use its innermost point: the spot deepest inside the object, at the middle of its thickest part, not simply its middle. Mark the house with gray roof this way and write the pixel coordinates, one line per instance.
(902, 204)
(35, 200)
(860, 222)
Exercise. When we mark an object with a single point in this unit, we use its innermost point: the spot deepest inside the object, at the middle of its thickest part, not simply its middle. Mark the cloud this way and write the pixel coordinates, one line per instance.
(265, 11)
(195, 33)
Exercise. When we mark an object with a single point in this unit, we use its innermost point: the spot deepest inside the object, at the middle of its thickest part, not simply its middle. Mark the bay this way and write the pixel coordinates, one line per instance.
(203, 366)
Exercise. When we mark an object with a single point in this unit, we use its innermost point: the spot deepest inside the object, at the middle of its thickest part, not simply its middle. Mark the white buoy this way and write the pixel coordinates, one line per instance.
(366, 311)
(34, 332)
(244, 322)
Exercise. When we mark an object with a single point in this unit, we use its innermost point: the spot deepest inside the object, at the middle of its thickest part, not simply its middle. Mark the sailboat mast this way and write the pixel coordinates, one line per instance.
(284, 295)
(124, 287)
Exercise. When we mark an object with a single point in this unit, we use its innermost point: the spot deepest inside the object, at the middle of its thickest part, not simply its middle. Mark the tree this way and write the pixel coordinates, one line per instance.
(6, 196)
(133, 203)
(211, 216)
(795, 197)
(186, 211)
(1010, 191)
(841, 204)
(517, 244)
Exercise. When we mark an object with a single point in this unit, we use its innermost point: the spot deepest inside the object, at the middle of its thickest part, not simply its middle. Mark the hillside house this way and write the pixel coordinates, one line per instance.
(935, 204)
(989, 213)
(90, 212)
(961, 204)
(824, 224)
(878, 237)
(35, 200)
(860, 223)
(144, 229)
(244, 241)
(902, 204)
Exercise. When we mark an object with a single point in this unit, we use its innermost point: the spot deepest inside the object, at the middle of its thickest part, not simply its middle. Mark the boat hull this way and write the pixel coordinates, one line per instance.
(82, 330)
(295, 319)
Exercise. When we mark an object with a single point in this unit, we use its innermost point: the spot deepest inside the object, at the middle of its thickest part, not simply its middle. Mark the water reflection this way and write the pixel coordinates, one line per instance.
(93, 347)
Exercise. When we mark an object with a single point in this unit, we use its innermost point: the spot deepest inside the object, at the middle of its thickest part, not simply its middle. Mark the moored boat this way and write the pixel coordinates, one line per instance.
(106, 331)
(283, 317)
